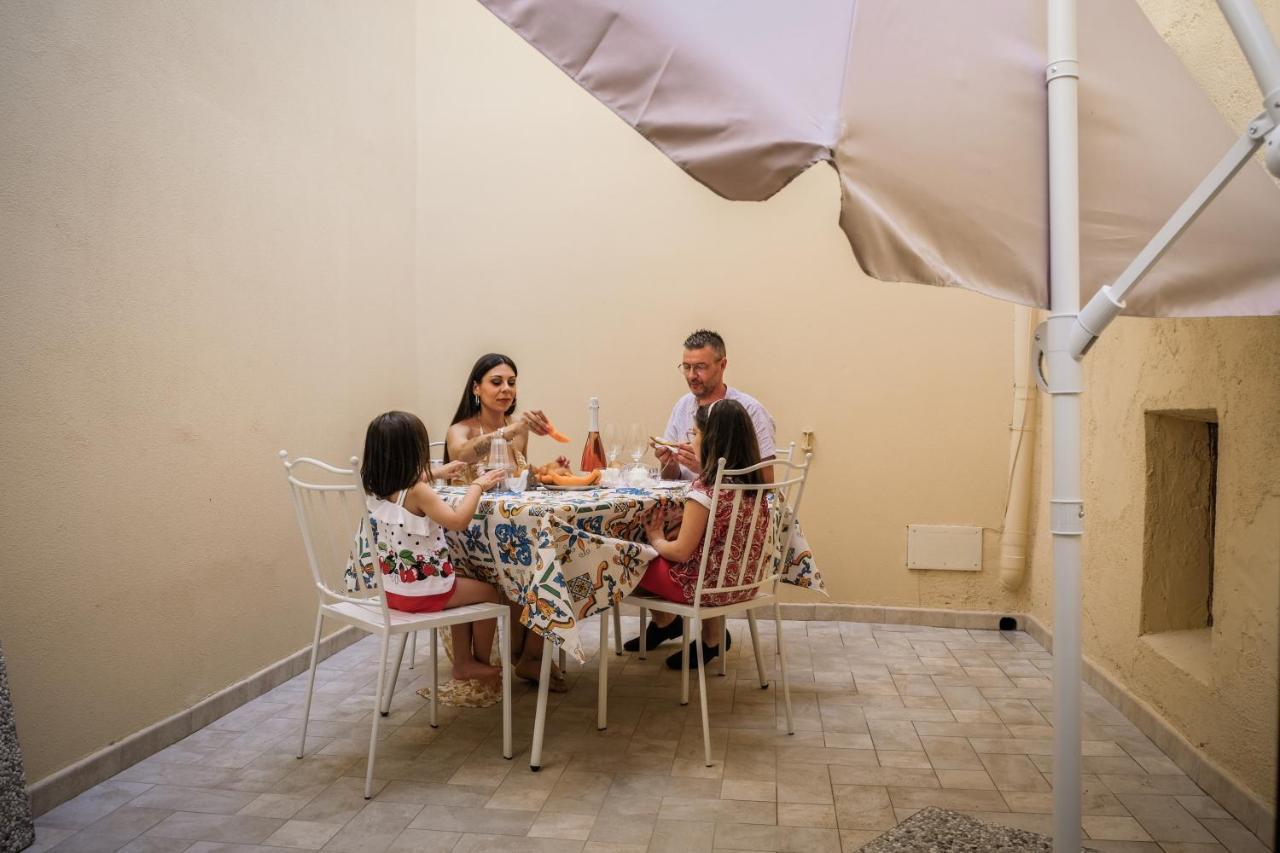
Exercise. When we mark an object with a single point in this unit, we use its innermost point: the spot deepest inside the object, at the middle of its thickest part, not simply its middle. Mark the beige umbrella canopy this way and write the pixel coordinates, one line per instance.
(933, 114)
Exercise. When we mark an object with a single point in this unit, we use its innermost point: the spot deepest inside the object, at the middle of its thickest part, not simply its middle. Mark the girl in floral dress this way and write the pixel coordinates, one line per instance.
(721, 430)
(407, 526)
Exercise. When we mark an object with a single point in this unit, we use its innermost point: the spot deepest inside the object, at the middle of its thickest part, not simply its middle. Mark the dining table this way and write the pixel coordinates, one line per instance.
(569, 553)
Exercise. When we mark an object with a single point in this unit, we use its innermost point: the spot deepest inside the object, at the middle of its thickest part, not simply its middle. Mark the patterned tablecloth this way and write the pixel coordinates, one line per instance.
(568, 555)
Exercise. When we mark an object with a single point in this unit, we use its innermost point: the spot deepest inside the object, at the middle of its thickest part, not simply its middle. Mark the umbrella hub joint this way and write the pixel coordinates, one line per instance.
(1051, 350)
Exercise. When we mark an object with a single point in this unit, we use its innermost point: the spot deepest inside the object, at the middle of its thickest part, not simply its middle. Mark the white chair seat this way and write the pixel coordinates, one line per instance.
(368, 617)
(652, 602)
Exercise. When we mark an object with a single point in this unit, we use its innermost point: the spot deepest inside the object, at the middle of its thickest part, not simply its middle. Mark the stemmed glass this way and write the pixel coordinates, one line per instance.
(637, 443)
(612, 443)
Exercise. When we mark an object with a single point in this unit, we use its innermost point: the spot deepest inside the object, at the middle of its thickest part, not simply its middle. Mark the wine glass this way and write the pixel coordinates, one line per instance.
(637, 443)
(612, 443)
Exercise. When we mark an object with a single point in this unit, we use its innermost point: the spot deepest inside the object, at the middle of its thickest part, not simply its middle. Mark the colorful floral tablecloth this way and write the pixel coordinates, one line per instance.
(568, 555)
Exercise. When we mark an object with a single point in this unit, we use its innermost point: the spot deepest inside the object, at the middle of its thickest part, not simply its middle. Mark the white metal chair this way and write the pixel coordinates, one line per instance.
(785, 454)
(775, 504)
(331, 508)
(436, 457)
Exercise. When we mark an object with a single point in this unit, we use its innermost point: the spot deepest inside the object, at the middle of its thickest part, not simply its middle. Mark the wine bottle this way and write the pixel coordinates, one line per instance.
(593, 450)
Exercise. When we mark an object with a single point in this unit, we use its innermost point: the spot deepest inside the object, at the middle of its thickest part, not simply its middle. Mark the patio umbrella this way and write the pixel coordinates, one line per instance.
(933, 114)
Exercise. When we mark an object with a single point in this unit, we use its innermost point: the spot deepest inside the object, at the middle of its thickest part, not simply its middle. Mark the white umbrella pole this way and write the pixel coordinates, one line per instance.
(1065, 380)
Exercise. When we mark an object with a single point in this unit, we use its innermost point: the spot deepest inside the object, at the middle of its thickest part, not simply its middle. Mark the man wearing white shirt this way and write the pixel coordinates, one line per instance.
(703, 367)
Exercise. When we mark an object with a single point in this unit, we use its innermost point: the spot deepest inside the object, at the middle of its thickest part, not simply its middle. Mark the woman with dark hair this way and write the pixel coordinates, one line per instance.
(488, 409)
(722, 430)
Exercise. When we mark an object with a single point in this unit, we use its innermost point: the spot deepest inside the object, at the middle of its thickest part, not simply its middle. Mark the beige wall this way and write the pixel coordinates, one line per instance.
(1221, 695)
(199, 201)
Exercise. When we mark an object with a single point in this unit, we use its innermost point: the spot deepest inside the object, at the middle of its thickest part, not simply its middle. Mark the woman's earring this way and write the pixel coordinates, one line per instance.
(475, 399)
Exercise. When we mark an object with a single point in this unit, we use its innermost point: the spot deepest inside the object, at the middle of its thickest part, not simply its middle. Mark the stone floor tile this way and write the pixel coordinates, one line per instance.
(1233, 836)
(807, 814)
(488, 821)
(859, 807)
(741, 789)
(236, 829)
(883, 777)
(1164, 818)
(424, 841)
(947, 798)
(736, 836)
(1114, 829)
(207, 800)
(974, 780)
(96, 803)
(576, 827)
(1013, 773)
(896, 735)
(303, 834)
(680, 836)
(804, 783)
(852, 840)
(484, 843)
(1203, 807)
(374, 828)
(633, 829)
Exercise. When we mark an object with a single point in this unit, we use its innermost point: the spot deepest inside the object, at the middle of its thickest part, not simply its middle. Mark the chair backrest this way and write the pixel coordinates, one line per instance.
(772, 504)
(333, 519)
(435, 456)
(785, 454)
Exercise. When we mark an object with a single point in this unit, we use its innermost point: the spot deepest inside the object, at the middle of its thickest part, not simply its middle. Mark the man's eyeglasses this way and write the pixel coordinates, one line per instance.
(686, 369)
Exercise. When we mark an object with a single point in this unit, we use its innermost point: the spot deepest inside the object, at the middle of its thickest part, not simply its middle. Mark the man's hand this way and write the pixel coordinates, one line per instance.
(687, 457)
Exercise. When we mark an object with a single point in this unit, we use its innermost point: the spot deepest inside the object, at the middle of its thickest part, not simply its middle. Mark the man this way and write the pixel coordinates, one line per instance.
(703, 366)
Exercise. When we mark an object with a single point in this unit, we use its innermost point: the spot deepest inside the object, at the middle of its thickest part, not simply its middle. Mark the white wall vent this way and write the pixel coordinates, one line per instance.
(943, 546)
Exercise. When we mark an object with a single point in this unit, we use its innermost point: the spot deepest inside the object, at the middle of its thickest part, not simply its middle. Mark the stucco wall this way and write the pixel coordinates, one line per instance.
(200, 205)
(1221, 698)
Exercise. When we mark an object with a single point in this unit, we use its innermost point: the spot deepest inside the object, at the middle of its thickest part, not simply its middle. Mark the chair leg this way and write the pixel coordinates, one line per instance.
(602, 698)
(377, 715)
(564, 661)
(413, 649)
(755, 644)
(540, 716)
(504, 648)
(385, 708)
(435, 679)
(311, 683)
(782, 663)
(724, 644)
(684, 663)
(644, 647)
(702, 691)
(617, 629)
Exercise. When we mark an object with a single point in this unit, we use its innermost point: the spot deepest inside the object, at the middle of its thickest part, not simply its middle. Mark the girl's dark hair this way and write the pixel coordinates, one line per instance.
(469, 406)
(397, 451)
(727, 431)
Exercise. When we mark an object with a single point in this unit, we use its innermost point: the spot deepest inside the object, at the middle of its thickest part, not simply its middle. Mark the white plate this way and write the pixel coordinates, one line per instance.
(554, 488)
(672, 484)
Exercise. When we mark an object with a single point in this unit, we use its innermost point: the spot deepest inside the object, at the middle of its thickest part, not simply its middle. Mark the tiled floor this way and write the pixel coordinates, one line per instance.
(889, 719)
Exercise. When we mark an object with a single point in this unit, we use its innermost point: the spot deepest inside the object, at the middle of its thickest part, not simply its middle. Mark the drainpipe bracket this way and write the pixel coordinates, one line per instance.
(1066, 517)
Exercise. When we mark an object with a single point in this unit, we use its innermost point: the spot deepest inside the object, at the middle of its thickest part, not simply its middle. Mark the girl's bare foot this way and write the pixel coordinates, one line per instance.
(473, 669)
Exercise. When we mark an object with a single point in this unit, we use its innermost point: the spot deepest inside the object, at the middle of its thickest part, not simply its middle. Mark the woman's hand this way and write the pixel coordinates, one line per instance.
(446, 471)
(489, 479)
(534, 421)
